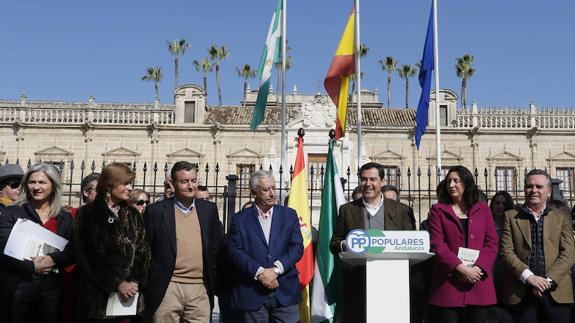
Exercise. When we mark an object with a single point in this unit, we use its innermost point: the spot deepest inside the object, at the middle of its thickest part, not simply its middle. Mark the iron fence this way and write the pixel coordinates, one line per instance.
(417, 187)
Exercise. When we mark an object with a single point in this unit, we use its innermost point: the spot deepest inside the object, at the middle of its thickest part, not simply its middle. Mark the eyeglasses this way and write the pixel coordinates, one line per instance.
(14, 184)
(142, 202)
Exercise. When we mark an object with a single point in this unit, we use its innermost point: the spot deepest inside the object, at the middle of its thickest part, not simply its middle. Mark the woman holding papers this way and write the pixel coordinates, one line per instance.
(113, 255)
(463, 237)
(31, 288)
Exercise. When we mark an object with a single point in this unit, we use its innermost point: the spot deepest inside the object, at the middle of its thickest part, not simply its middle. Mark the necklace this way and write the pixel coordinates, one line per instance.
(114, 216)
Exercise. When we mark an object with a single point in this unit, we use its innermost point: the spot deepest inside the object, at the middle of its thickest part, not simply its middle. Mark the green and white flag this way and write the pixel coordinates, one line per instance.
(270, 56)
(325, 290)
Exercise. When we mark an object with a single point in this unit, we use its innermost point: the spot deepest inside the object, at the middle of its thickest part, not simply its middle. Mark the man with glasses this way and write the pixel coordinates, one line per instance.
(10, 178)
(88, 187)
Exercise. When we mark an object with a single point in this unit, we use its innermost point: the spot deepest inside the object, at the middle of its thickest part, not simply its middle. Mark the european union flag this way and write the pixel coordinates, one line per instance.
(425, 82)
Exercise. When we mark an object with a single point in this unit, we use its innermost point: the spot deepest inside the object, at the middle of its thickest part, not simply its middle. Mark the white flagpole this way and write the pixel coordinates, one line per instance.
(283, 89)
(358, 82)
(437, 114)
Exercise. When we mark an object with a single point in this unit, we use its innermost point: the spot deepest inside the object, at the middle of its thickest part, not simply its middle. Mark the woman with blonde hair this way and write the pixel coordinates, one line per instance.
(139, 199)
(31, 289)
(113, 254)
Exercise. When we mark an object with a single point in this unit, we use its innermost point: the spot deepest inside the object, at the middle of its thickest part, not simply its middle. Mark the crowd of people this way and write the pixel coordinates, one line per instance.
(171, 258)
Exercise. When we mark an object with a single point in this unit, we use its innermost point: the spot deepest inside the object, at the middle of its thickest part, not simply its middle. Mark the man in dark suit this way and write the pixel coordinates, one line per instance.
(372, 211)
(537, 249)
(184, 233)
(265, 244)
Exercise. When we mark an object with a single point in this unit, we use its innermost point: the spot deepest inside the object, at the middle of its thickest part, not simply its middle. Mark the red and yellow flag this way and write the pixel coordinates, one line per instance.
(298, 200)
(341, 69)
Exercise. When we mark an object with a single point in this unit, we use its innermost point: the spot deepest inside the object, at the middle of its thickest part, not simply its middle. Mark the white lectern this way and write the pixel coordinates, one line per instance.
(387, 275)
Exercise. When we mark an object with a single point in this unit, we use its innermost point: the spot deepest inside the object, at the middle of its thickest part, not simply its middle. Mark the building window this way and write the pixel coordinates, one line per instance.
(391, 175)
(505, 179)
(443, 115)
(244, 172)
(190, 111)
(565, 174)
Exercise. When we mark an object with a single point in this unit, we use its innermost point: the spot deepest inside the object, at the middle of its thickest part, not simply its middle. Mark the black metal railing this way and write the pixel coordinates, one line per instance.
(417, 187)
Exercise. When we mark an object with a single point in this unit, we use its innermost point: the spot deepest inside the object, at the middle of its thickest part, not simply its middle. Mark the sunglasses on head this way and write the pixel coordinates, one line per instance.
(142, 202)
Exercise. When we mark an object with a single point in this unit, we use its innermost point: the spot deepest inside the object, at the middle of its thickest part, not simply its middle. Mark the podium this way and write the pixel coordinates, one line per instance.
(387, 273)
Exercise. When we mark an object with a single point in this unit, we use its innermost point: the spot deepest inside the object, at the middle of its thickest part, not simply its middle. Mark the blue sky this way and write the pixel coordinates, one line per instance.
(69, 49)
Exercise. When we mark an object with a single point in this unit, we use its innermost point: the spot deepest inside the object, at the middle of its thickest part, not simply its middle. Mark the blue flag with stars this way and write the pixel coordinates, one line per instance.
(425, 82)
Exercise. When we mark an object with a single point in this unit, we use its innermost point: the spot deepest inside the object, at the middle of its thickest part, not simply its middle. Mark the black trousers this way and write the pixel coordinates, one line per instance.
(468, 314)
(37, 300)
(540, 309)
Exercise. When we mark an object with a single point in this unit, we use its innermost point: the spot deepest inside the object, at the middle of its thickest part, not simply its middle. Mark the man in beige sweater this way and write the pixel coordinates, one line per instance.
(184, 233)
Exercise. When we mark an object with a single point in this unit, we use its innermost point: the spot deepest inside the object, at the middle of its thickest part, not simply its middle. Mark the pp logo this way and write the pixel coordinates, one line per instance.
(357, 241)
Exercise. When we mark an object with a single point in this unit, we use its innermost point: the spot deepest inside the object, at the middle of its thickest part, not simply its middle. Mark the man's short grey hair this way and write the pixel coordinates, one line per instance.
(254, 180)
(53, 175)
(536, 171)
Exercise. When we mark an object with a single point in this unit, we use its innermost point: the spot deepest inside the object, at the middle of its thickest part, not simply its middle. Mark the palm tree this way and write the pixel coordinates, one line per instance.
(205, 66)
(246, 72)
(363, 50)
(464, 70)
(405, 72)
(289, 61)
(154, 74)
(177, 47)
(217, 55)
(389, 65)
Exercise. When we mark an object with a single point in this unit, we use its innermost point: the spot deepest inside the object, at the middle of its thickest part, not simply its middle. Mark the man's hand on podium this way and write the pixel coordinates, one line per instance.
(343, 245)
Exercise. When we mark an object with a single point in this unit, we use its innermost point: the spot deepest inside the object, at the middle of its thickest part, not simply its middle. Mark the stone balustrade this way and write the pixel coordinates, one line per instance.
(78, 113)
(517, 118)
(71, 114)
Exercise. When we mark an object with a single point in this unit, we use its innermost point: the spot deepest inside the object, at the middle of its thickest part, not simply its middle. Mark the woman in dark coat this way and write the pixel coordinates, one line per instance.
(461, 292)
(31, 290)
(113, 255)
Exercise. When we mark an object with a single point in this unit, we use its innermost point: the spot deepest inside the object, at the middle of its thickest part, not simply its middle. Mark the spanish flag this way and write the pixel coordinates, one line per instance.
(341, 69)
(298, 200)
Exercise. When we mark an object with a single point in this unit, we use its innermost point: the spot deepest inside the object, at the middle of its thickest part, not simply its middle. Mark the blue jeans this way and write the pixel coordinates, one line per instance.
(272, 312)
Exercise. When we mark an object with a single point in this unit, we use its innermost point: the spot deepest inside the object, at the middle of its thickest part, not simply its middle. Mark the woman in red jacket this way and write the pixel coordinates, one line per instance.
(464, 240)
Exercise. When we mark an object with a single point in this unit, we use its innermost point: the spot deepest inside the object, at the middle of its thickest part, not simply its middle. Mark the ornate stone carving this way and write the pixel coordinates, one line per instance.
(319, 113)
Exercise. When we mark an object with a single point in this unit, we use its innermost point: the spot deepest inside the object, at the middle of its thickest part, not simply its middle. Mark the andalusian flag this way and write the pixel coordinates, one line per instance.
(342, 68)
(325, 289)
(298, 200)
(270, 56)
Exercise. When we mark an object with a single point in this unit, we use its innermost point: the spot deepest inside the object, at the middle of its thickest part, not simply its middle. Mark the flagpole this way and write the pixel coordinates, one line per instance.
(358, 82)
(437, 114)
(283, 107)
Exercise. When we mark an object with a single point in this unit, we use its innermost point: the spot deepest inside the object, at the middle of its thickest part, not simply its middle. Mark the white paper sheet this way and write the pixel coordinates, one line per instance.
(117, 307)
(468, 256)
(29, 239)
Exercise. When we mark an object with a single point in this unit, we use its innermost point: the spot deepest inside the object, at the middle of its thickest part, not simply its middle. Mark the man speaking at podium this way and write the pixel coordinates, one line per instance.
(372, 211)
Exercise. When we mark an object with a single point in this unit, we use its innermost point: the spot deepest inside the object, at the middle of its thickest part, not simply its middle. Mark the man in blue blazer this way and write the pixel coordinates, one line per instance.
(265, 244)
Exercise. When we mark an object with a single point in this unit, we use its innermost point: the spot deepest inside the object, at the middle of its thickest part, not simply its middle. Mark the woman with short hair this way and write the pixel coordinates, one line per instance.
(459, 226)
(113, 254)
(31, 290)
